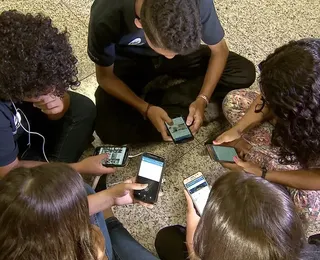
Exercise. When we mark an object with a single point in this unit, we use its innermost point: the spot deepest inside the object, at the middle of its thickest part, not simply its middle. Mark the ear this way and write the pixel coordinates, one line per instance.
(138, 23)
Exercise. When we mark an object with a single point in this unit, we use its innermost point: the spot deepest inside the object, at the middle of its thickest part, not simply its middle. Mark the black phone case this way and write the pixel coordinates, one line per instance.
(125, 159)
(145, 198)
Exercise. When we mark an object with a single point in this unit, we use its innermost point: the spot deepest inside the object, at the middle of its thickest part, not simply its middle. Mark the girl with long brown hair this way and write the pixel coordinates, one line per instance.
(44, 214)
(245, 218)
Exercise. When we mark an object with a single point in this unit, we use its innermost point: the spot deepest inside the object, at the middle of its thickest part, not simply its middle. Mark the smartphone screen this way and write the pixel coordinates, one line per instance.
(151, 169)
(179, 131)
(117, 155)
(224, 153)
(199, 190)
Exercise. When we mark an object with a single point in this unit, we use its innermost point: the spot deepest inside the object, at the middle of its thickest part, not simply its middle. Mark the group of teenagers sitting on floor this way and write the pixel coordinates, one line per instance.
(151, 67)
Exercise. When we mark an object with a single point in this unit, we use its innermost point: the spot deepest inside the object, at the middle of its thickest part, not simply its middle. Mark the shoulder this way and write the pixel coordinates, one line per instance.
(207, 10)
(104, 10)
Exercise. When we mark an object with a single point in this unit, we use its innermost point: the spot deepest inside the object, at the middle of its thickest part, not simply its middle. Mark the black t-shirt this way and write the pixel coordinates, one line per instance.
(9, 132)
(112, 26)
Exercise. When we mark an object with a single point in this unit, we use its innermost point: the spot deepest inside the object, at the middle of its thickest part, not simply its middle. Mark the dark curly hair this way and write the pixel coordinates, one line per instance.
(36, 58)
(290, 84)
(172, 24)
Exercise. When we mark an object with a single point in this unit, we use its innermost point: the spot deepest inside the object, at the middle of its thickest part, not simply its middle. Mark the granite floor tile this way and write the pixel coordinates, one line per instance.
(82, 11)
(168, 150)
(268, 27)
(88, 87)
(63, 19)
(211, 130)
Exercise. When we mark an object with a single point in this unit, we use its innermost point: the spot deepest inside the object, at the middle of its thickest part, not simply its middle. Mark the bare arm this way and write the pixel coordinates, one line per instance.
(251, 118)
(16, 164)
(90, 165)
(100, 201)
(308, 179)
(217, 63)
(300, 179)
(117, 88)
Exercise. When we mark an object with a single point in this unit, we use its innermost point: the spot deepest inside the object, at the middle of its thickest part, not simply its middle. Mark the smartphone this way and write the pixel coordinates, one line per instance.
(199, 190)
(150, 172)
(179, 131)
(221, 153)
(118, 155)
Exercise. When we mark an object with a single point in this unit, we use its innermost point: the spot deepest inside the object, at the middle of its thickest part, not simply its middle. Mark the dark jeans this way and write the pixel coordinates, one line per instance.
(171, 243)
(66, 138)
(120, 245)
(119, 123)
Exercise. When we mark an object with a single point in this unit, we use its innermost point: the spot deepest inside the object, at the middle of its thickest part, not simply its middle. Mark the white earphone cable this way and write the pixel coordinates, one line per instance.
(30, 132)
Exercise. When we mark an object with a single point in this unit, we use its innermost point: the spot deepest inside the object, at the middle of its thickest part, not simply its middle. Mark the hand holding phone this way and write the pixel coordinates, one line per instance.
(117, 155)
(179, 131)
(221, 153)
(198, 189)
(150, 172)
(122, 193)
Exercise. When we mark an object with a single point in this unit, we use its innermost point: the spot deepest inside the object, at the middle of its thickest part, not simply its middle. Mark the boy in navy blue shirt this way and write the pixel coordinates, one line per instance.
(134, 41)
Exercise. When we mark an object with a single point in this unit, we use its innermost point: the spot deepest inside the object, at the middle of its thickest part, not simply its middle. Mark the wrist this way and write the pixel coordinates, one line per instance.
(146, 113)
(264, 171)
(142, 107)
(239, 128)
(111, 198)
(76, 166)
(203, 100)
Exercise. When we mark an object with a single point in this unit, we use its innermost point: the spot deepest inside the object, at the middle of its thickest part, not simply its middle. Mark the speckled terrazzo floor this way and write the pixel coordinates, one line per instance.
(253, 29)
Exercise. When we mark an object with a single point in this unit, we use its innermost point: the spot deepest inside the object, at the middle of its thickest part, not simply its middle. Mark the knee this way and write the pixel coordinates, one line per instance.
(163, 236)
(249, 72)
(82, 107)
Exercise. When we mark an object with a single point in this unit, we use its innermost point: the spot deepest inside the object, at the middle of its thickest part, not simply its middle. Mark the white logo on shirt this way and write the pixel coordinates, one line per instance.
(136, 41)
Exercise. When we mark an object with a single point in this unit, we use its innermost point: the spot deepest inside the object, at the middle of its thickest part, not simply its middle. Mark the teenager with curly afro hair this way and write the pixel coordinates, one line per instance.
(37, 67)
(134, 42)
(286, 150)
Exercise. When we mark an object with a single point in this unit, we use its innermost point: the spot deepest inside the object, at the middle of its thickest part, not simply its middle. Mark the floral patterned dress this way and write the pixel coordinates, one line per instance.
(235, 105)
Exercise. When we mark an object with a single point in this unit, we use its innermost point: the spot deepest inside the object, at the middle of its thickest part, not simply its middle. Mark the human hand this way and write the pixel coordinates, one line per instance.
(196, 115)
(93, 165)
(192, 219)
(52, 105)
(228, 136)
(122, 193)
(248, 167)
(158, 118)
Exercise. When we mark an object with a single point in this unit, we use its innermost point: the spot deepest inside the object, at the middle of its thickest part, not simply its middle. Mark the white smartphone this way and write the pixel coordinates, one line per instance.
(199, 190)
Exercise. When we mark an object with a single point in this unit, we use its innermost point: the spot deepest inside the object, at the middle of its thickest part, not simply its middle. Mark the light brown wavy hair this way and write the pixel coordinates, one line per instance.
(44, 215)
(248, 218)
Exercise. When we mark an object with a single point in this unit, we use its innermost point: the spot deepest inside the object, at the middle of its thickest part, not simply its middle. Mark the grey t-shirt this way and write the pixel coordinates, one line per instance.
(112, 25)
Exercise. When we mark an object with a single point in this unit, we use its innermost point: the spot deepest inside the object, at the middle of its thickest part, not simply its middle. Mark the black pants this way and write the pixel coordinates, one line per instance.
(119, 123)
(66, 138)
(171, 243)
